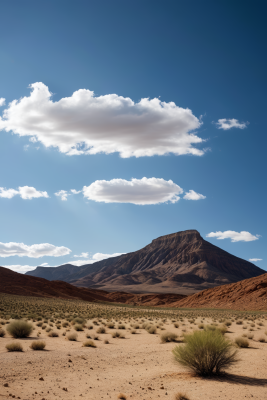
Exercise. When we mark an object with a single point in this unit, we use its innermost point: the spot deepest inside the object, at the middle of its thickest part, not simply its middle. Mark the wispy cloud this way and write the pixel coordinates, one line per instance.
(226, 124)
(33, 251)
(242, 236)
(86, 124)
(25, 192)
(255, 259)
(192, 195)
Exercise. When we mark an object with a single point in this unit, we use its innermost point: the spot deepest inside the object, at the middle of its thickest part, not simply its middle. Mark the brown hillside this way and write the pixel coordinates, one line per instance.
(249, 294)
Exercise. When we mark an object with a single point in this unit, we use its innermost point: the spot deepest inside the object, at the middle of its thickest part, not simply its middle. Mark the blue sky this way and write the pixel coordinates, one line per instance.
(202, 62)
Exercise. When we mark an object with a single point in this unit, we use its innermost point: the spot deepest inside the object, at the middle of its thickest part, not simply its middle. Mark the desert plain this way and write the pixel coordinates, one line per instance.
(137, 364)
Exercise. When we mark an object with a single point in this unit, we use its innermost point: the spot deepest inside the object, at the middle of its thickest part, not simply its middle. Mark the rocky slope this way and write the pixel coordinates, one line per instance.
(182, 262)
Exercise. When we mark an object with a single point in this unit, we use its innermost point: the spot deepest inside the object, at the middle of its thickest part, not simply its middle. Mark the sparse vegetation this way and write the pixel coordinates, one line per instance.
(168, 337)
(89, 343)
(241, 342)
(206, 353)
(14, 346)
(38, 345)
(19, 329)
(72, 337)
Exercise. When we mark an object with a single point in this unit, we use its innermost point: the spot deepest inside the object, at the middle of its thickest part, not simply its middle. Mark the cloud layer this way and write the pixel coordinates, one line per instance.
(242, 236)
(33, 251)
(137, 191)
(85, 124)
(192, 195)
(25, 192)
(226, 124)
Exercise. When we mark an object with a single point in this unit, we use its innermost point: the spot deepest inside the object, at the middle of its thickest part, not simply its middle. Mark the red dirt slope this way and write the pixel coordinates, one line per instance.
(25, 285)
(249, 294)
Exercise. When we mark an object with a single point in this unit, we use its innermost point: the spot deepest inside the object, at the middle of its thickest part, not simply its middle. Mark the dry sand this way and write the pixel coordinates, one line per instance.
(138, 366)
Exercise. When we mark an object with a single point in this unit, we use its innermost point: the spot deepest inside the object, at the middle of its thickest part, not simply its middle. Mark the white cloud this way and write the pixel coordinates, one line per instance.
(20, 268)
(25, 192)
(34, 251)
(75, 191)
(137, 191)
(2, 101)
(242, 236)
(192, 195)
(226, 124)
(85, 124)
(63, 194)
(255, 259)
(82, 255)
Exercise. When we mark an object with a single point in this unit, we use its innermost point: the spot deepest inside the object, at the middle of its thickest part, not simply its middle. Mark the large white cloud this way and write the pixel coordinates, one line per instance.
(25, 192)
(34, 251)
(85, 124)
(226, 124)
(192, 195)
(242, 236)
(137, 191)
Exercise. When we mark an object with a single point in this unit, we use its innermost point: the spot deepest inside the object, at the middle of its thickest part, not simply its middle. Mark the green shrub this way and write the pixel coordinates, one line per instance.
(168, 337)
(72, 337)
(19, 329)
(89, 343)
(38, 345)
(15, 346)
(205, 352)
(241, 342)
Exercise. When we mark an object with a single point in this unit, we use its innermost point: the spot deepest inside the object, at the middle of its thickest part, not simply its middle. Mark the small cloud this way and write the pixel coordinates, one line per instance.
(63, 194)
(75, 191)
(192, 195)
(137, 191)
(226, 124)
(25, 192)
(2, 101)
(33, 251)
(82, 255)
(255, 259)
(242, 236)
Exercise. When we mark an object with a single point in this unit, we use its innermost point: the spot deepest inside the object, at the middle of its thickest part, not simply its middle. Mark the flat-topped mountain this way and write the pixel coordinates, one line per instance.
(181, 262)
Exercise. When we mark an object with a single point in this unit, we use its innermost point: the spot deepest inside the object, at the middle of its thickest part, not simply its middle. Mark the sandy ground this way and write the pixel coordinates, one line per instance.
(138, 366)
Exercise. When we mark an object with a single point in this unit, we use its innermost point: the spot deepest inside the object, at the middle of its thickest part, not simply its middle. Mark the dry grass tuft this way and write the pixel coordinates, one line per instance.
(38, 345)
(15, 346)
(19, 329)
(72, 337)
(181, 396)
(89, 343)
(168, 337)
(2, 332)
(241, 342)
(122, 396)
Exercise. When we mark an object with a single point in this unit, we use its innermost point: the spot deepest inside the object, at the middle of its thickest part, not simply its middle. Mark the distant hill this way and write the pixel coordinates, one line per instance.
(181, 262)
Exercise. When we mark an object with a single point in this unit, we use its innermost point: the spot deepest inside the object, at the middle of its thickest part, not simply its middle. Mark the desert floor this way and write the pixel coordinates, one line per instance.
(139, 365)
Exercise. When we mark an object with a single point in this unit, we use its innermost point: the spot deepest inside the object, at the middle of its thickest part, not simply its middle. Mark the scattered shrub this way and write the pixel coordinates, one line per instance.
(106, 342)
(117, 335)
(53, 334)
(72, 337)
(38, 345)
(168, 337)
(89, 343)
(133, 331)
(122, 396)
(241, 342)
(15, 346)
(250, 336)
(78, 328)
(200, 326)
(151, 329)
(101, 329)
(110, 325)
(19, 329)
(262, 339)
(205, 352)
(181, 396)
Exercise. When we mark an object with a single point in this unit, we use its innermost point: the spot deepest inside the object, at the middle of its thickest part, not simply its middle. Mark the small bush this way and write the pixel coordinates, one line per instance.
(78, 328)
(89, 343)
(53, 334)
(2, 332)
(262, 339)
(110, 325)
(19, 329)
(38, 345)
(168, 337)
(15, 346)
(200, 326)
(117, 335)
(151, 329)
(121, 326)
(133, 331)
(241, 342)
(250, 336)
(101, 329)
(206, 353)
(79, 321)
(106, 342)
(181, 396)
(72, 337)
